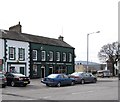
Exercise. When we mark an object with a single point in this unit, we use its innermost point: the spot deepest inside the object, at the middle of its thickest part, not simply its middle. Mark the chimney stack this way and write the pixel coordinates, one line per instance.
(61, 38)
(16, 28)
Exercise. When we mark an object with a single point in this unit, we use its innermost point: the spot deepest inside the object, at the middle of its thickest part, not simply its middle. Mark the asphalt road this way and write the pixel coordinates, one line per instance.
(104, 89)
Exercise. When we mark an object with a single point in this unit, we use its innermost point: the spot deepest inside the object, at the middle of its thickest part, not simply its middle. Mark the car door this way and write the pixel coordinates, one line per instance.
(62, 79)
(89, 77)
(67, 80)
(86, 77)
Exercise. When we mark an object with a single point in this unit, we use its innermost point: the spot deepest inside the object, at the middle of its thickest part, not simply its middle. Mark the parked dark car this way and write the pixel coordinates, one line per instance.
(3, 81)
(83, 77)
(58, 80)
(14, 79)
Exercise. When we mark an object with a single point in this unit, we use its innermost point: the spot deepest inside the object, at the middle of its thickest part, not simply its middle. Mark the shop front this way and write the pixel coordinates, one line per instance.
(41, 70)
(15, 67)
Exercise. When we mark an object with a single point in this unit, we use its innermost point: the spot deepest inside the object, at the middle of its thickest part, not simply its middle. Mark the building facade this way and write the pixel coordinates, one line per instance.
(17, 56)
(35, 56)
(47, 59)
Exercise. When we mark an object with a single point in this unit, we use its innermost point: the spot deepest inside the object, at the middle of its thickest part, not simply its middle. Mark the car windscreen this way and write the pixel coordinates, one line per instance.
(20, 75)
(53, 76)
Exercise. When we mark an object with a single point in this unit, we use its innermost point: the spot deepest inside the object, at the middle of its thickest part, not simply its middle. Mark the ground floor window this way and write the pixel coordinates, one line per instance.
(17, 68)
(61, 69)
(34, 69)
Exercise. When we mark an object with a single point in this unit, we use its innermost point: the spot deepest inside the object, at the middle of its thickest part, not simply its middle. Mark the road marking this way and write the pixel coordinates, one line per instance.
(82, 92)
(46, 97)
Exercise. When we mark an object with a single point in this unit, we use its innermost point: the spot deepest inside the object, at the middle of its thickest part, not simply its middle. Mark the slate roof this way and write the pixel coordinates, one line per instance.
(12, 35)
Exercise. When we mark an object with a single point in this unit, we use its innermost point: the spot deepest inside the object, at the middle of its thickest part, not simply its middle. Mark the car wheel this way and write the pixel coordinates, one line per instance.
(82, 81)
(58, 84)
(94, 81)
(3, 86)
(47, 84)
(12, 83)
(72, 83)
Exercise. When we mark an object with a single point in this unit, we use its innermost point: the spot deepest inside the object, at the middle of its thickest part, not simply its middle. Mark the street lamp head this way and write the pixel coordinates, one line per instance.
(98, 32)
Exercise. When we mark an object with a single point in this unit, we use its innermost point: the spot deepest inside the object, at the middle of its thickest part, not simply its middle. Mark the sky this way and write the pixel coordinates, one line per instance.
(72, 19)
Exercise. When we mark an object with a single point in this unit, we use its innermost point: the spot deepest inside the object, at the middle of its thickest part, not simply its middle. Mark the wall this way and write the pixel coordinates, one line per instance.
(2, 53)
(18, 44)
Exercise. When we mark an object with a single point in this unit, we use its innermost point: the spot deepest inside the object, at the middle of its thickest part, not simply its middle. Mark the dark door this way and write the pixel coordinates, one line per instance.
(50, 71)
(42, 72)
(22, 70)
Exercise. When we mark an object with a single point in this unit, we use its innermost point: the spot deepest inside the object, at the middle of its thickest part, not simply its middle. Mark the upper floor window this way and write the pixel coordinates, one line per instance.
(50, 56)
(21, 54)
(57, 56)
(64, 56)
(11, 53)
(34, 54)
(70, 57)
(43, 56)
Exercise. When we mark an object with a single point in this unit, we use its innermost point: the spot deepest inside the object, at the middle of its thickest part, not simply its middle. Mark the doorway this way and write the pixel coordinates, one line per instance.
(22, 70)
(50, 70)
(42, 72)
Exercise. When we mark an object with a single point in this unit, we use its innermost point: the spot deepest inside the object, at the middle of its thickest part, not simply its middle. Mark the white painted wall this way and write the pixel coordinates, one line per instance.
(1, 48)
(2, 52)
(19, 44)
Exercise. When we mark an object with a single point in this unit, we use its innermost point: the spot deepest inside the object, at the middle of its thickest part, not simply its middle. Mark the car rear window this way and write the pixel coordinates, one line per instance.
(76, 74)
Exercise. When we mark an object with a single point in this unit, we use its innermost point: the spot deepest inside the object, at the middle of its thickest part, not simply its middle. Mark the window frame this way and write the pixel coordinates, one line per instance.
(70, 57)
(58, 56)
(64, 56)
(50, 55)
(21, 54)
(34, 57)
(12, 54)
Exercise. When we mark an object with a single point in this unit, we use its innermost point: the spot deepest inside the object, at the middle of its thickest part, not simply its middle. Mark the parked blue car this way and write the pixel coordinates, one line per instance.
(57, 80)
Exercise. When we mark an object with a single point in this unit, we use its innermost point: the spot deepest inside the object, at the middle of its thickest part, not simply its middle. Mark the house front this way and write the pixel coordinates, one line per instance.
(35, 56)
(48, 59)
(15, 52)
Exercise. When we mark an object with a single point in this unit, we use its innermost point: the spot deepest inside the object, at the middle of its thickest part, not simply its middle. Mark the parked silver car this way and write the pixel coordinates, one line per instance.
(83, 77)
(3, 81)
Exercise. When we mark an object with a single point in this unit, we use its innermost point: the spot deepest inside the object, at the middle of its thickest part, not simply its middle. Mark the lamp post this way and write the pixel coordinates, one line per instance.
(88, 47)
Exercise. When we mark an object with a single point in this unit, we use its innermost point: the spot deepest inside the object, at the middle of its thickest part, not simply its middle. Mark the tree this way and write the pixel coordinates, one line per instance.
(109, 52)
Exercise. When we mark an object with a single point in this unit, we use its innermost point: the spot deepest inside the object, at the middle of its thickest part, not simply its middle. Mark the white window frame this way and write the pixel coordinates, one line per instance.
(21, 54)
(70, 57)
(12, 52)
(50, 55)
(43, 55)
(64, 57)
(34, 57)
(57, 56)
